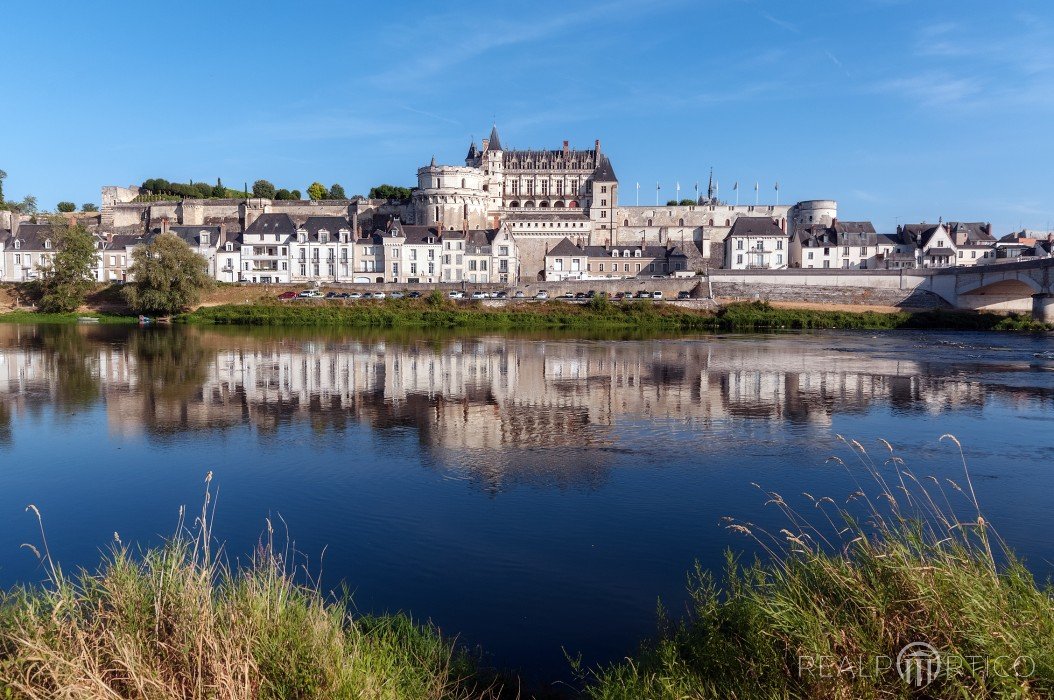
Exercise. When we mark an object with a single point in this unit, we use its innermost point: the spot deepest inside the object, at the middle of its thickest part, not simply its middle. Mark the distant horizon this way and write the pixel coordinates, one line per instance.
(901, 112)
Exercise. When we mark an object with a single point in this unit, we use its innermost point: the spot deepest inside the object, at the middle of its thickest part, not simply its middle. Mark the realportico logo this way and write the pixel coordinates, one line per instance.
(918, 664)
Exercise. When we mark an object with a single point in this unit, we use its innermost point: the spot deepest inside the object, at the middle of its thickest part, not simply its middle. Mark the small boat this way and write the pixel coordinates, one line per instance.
(145, 320)
(87, 319)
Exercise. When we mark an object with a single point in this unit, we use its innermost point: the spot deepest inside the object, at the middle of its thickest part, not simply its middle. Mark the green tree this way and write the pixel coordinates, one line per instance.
(71, 274)
(88, 206)
(687, 202)
(295, 194)
(283, 194)
(263, 189)
(337, 192)
(401, 194)
(317, 191)
(671, 202)
(3, 176)
(219, 191)
(28, 205)
(168, 276)
(66, 207)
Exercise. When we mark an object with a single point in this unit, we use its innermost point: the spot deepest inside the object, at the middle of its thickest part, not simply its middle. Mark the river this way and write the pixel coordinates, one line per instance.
(528, 493)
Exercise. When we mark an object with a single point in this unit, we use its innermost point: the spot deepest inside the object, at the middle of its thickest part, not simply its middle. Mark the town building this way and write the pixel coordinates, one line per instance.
(848, 245)
(757, 243)
(568, 261)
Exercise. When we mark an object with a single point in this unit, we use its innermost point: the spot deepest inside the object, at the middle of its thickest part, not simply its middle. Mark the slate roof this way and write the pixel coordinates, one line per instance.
(331, 224)
(420, 235)
(976, 231)
(281, 224)
(853, 227)
(566, 247)
(571, 214)
(494, 143)
(33, 236)
(755, 226)
(604, 172)
(191, 235)
(940, 251)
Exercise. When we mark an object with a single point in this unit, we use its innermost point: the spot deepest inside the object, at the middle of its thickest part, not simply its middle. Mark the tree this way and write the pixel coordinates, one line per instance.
(317, 191)
(401, 194)
(88, 206)
(66, 207)
(295, 194)
(28, 205)
(71, 274)
(671, 202)
(168, 276)
(687, 202)
(283, 194)
(219, 191)
(3, 176)
(337, 192)
(263, 189)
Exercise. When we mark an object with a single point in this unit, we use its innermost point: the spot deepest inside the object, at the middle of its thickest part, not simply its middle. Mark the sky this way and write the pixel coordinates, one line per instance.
(900, 110)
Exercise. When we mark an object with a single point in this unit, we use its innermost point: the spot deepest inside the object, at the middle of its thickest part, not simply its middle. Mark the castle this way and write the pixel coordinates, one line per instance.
(530, 200)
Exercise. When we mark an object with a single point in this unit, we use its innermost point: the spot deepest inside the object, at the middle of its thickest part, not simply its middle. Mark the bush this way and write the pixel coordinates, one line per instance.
(66, 207)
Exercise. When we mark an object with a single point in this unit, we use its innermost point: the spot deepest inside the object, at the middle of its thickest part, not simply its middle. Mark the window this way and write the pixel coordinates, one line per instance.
(739, 259)
(636, 253)
(625, 253)
(603, 202)
(601, 267)
(779, 259)
(229, 247)
(395, 268)
(845, 250)
(863, 251)
(638, 267)
(809, 256)
(204, 238)
(503, 250)
(47, 244)
(739, 244)
(603, 189)
(625, 267)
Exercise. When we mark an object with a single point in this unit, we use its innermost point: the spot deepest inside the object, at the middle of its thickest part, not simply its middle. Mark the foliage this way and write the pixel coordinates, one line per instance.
(687, 202)
(283, 194)
(168, 276)
(66, 207)
(296, 194)
(219, 191)
(177, 623)
(336, 192)
(391, 192)
(671, 202)
(317, 191)
(71, 275)
(3, 176)
(160, 187)
(843, 587)
(263, 189)
(89, 207)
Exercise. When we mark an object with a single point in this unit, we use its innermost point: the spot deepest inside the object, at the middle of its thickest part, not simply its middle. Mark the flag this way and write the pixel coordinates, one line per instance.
(777, 186)
(755, 186)
(735, 185)
(657, 186)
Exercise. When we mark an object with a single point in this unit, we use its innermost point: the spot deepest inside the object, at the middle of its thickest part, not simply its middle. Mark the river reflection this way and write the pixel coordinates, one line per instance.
(528, 492)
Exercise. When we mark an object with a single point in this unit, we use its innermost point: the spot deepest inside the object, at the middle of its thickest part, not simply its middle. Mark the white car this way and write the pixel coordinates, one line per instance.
(656, 295)
(479, 295)
(355, 295)
(397, 295)
(456, 295)
(542, 295)
(378, 295)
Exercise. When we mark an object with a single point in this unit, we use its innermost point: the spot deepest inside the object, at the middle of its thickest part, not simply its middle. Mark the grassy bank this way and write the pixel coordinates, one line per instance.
(841, 592)
(176, 623)
(26, 316)
(597, 314)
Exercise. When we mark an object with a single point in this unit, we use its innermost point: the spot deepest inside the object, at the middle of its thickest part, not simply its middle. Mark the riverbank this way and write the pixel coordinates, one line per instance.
(595, 314)
(843, 590)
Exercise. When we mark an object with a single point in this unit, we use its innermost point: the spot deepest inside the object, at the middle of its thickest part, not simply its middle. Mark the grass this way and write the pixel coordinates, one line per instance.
(822, 612)
(840, 591)
(436, 312)
(26, 316)
(176, 622)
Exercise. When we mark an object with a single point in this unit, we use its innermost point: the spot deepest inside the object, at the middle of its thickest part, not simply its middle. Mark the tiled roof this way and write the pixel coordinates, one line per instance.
(604, 172)
(566, 247)
(281, 224)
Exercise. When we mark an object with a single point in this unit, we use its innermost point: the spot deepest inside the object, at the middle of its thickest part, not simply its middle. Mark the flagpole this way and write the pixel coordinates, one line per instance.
(638, 194)
(656, 193)
(757, 194)
(777, 194)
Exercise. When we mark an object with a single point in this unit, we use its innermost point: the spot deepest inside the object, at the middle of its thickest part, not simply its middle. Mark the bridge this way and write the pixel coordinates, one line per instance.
(1017, 286)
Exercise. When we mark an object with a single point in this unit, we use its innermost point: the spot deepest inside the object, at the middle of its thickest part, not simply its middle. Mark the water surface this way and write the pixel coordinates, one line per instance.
(531, 493)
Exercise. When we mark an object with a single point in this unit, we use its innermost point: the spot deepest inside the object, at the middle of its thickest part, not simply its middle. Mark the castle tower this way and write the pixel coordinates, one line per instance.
(603, 200)
(493, 165)
(452, 195)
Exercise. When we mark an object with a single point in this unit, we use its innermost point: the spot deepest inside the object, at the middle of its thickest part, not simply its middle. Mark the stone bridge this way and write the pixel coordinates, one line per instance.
(1017, 286)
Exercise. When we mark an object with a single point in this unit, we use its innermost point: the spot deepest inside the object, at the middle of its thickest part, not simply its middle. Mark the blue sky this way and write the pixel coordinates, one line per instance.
(902, 111)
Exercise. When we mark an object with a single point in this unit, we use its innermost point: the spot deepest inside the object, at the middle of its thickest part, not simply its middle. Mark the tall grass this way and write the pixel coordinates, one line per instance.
(176, 622)
(842, 589)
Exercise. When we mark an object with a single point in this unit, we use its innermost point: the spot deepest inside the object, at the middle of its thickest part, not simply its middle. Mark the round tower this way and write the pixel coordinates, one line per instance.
(814, 211)
(452, 195)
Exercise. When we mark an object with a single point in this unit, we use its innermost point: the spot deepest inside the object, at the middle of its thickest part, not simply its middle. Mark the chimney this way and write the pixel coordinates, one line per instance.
(164, 225)
(596, 145)
(485, 142)
(566, 148)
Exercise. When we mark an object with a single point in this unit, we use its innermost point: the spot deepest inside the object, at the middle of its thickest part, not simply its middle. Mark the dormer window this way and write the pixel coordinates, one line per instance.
(323, 237)
(614, 253)
(301, 236)
(47, 244)
(625, 253)
(18, 244)
(229, 247)
(204, 238)
(636, 253)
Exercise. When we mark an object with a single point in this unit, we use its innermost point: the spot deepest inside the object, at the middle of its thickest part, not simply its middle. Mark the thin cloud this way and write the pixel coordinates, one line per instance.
(780, 23)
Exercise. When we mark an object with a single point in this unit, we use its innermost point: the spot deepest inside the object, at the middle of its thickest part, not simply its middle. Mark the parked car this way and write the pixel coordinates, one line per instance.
(642, 295)
(591, 293)
(542, 295)
(367, 295)
(414, 295)
(501, 295)
(519, 294)
(479, 295)
(567, 295)
(331, 295)
(580, 295)
(397, 295)
(456, 295)
(619, 295)
(684, 295)
(354, 295)
(310, 294)
(287, 295)
(379, 295)
(656, 295)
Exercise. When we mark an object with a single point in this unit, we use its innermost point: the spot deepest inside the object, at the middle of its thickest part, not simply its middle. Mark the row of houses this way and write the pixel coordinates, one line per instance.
(574, 261)
(762, 243)
(275, 248)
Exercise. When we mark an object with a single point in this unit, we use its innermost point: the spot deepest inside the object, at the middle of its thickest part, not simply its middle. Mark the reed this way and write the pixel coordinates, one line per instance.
(177, 622)
(826, 608)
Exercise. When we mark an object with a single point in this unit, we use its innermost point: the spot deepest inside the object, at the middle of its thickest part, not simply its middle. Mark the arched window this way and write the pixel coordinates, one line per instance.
(649, 222)
(462, 183)
(625, 253)
(727, 222)
(681, 222)
(614, 253)
(625, 222)
(47, 244)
